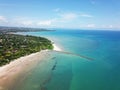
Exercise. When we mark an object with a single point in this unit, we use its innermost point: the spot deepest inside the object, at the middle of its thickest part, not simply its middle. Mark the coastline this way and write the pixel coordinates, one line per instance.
(11, 72)
(56, 47)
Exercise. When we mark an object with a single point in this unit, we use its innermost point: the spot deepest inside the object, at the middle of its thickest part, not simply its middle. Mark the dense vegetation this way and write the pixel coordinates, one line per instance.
(14, 46)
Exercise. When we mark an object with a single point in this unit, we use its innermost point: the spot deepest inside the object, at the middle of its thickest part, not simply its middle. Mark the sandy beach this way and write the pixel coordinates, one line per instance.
(56, 47)
(11, 72)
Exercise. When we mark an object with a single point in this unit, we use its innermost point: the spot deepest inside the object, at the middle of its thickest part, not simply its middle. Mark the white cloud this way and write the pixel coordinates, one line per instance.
(90, 26)
(69, 16)
(86, 15)
(26, 23)
(3, 19)
(56, 10)
(22, 21)
(110, 26)
(62, 18)
(45, 23)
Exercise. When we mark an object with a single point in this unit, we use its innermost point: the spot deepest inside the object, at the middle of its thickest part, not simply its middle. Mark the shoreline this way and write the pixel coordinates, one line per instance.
(11, 72)
(56, 47)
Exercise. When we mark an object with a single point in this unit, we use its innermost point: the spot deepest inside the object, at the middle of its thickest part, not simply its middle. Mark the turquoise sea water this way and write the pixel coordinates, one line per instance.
(69, 72)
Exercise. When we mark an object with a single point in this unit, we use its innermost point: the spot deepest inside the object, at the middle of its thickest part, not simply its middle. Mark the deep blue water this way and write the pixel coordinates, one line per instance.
(72, 72)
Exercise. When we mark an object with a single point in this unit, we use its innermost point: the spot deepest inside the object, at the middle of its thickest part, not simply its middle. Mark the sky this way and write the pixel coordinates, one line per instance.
(77, 14)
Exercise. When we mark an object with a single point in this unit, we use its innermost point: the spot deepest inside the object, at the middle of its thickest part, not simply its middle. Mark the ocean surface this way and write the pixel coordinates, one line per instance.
(62, 71)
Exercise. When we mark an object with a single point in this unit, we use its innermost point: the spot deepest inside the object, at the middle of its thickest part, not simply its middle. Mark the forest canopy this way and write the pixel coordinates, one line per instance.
(13, 46)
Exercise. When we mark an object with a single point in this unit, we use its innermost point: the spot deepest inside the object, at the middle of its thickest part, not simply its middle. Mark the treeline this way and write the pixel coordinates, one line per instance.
(21, 29)
(14, 46)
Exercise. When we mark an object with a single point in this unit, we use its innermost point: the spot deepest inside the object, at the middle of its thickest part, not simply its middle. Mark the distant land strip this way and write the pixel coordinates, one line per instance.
(10, 30)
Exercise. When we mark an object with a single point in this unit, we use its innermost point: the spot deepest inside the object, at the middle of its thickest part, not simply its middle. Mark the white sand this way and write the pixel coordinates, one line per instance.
(11, 72)
(56, 48)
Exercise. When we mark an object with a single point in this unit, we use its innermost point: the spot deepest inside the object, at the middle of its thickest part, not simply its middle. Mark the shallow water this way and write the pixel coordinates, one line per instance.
(63, 71)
